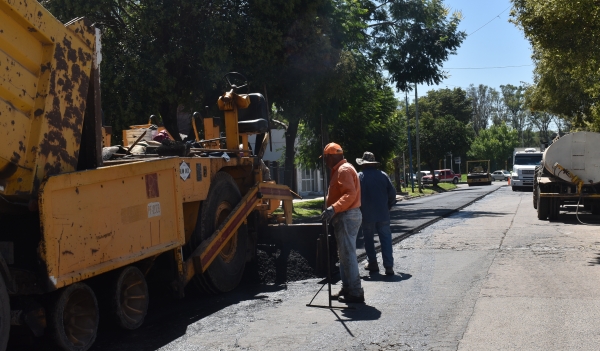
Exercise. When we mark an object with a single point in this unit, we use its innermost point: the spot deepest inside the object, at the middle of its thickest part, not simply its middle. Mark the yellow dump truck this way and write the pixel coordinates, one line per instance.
(73, 222)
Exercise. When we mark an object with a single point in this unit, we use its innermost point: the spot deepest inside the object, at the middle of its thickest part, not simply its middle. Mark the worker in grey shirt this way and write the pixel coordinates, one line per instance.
(377, 197)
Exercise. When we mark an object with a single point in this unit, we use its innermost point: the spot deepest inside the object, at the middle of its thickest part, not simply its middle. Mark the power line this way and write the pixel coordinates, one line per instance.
(489, 67)
(497, 16)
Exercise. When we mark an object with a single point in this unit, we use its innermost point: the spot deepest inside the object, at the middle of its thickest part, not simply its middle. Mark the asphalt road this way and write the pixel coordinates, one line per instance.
(487, 277)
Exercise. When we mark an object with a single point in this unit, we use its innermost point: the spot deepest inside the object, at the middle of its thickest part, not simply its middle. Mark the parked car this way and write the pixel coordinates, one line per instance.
(501, 175)
(443, 175)
(414, 176)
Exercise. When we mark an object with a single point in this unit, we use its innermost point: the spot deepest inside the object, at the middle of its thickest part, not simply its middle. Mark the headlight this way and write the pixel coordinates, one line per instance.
(514, 176)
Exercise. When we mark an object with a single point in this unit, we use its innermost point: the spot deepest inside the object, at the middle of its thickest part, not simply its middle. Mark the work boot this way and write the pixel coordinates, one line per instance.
(389, 270)
(352, 299)
(343, 291)
(372, 266)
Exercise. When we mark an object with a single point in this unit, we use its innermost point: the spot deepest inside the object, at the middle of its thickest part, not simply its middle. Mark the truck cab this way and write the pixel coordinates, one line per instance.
(443, 175)
(524, 163)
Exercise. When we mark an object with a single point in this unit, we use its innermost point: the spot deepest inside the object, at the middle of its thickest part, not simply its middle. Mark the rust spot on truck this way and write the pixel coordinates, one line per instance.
(104, 235)
(59, 56)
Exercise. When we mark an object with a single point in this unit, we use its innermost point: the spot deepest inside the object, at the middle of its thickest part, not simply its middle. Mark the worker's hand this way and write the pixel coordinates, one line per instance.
(327, 215)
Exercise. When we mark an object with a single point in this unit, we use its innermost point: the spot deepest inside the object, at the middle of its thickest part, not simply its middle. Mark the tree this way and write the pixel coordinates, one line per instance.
(542, 121)
(483, 107)
(443, 102)
(514, 102)
(565, 37)
(499, 114)
(440, 131)
(160, 55)
(411, 39)
(368, 123)
(495, 144)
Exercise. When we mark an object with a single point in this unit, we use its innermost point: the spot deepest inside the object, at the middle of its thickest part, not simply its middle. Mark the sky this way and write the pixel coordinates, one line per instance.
(491, 41)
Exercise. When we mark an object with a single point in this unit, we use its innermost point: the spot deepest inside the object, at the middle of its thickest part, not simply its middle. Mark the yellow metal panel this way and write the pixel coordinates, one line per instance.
(195, 185)
(13, 127)
(45, 69)
(190, 217)
(17, 42)
(100, 220)
(17, 84)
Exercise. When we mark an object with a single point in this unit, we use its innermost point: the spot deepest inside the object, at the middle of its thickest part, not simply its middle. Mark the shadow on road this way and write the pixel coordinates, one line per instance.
(167, 320)
(361, 312)
(596, 261)
(376, 277)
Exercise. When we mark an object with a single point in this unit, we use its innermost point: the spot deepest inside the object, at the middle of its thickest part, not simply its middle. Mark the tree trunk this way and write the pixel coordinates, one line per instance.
(325, 138)
(290, 153)
(433, 178)
(168, 112)
(397, 166)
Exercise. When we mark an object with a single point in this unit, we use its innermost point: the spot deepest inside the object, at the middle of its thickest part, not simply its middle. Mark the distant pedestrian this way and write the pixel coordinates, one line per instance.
(343, 211)
(377, 198)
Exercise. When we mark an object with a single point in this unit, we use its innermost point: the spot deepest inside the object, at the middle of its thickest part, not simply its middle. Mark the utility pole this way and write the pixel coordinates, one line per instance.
(410, 160)
(417, 131)
(404, 170)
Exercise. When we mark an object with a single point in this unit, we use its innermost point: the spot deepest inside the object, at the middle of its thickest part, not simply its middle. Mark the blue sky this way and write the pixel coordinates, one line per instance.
(498, 43)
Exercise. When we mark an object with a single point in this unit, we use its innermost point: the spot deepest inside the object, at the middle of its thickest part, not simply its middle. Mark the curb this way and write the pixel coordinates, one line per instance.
(413, 231)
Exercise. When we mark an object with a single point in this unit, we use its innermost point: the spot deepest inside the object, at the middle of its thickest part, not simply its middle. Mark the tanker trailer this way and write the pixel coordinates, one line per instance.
(568, 174)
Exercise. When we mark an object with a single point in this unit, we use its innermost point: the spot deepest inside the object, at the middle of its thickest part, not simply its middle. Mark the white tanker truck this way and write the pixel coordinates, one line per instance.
(569, 174)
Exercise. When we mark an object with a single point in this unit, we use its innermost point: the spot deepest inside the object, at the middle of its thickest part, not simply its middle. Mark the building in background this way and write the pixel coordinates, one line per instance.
(306, 181)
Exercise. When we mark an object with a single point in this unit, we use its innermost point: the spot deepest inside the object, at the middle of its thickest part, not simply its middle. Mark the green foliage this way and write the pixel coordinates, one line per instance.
(160, 55)
(487, 106)
(513, 98)
(496, 144)
(411, 39)
(361, 119)
(441, 135)
(316, 57)
(444, 102)
(444, 127)
(565, 36)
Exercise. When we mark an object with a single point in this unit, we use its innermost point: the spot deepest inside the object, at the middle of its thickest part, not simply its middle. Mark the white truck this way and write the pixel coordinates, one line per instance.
(524, 162)
(568, 175)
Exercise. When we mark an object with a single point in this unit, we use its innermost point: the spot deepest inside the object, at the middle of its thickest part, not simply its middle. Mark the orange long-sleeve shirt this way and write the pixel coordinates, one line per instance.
(344, 189)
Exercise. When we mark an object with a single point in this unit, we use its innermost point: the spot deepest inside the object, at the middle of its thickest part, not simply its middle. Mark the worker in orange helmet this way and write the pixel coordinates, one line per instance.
(343, 212)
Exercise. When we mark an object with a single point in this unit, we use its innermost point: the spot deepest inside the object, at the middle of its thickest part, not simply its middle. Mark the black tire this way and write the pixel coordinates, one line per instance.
(514, 188)
(455, 181)
(535, 194)
(130, 298)
(554, 209)
(73, 318)
(4, 315)
(542, 207)
(225, 272)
